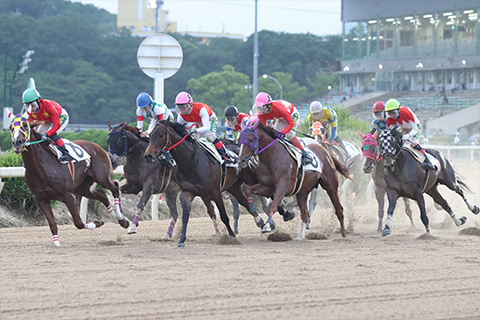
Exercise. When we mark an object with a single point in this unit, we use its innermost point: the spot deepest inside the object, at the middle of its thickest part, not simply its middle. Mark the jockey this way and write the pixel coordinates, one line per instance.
(234, 120)
(54, 118)
(147, 107)
(325, 114)
(409, 124)
(379, 122)
(205, 119)
(286, 116)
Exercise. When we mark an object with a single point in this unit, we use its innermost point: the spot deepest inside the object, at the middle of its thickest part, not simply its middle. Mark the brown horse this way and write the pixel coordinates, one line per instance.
(198, 174)
(405, 177)
(150, 178)
(277, 173)
(50, 180)
(373, 163)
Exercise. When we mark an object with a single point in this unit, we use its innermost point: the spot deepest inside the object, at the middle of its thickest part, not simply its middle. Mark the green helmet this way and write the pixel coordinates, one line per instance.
(392, 104)
(30, 95)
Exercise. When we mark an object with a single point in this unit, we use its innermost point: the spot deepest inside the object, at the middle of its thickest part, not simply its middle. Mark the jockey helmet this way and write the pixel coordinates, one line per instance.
(30, 95)
(316, 107)
(143, 100)
(183, 98)
(392, 104)
(262, 99)
(231, 111)
(378, 106)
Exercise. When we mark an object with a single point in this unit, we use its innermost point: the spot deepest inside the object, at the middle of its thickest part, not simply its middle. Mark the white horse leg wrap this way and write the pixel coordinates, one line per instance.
(389, 221)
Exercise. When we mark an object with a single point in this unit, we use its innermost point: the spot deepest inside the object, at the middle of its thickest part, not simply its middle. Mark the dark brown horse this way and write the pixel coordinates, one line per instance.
(373, 163)
(150, 178)
(49, 179)
(198, 174)
(405, 177)
(277, 173)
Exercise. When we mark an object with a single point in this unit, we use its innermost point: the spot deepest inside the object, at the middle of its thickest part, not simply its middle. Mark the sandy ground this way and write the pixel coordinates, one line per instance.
(107, 274)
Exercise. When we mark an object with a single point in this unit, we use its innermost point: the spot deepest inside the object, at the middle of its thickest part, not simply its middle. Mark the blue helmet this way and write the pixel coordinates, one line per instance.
(143, 100)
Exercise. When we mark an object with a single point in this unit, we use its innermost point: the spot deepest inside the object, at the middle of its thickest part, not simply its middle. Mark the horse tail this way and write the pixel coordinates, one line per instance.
(464, 185)
(341, 168)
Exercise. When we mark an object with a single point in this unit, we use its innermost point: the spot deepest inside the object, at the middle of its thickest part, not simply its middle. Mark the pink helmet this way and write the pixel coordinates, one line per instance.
(262, 99)
(183, 98)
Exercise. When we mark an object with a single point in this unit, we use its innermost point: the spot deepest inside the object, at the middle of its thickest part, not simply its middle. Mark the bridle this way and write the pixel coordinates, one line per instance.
(168, 142)
(255, 144)
(125, 149)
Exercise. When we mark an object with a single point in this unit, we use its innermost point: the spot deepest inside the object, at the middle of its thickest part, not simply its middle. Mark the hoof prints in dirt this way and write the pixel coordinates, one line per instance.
(472, 231)
(279, 237)
(227, 240)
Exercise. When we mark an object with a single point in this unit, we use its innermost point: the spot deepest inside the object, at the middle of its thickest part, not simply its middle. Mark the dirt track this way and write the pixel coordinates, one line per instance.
(105, 274)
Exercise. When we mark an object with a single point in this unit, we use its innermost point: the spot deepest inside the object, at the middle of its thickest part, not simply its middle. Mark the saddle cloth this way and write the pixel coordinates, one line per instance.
(296, 154)
(210, 148)
(77, 152)
(417, 155)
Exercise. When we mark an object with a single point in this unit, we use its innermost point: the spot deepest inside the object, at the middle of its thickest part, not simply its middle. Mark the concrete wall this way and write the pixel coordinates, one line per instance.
(450, 123)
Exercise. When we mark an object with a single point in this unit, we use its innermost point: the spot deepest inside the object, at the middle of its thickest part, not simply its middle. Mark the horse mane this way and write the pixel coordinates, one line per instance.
(270, 131)
(178, 128)
(128, 128)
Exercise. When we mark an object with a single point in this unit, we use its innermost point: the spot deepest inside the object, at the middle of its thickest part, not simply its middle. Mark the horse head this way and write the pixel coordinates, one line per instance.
(161, 140)
(249, 138)
(389, 147)
(319, 132)
(21, 132)
(122, 138)
(369, 150)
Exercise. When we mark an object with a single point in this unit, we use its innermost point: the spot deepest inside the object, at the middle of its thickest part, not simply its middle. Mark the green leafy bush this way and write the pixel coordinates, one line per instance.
(15, 193)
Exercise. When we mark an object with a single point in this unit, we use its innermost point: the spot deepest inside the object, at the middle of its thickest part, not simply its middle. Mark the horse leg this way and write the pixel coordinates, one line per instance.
(146, 194)
(334, 198)
(69, 200)
(437, 197)
(171, 199)
(186, 199)
(392, 202)
(44, 205)
(114, 189)
(312, 203)
(217, 198)
(470, 206)
(212, 214)
(277, 198)
(236, 214)
(423, 212)
(408, 210)
(380, 196)
(247, 202)
(302, 203)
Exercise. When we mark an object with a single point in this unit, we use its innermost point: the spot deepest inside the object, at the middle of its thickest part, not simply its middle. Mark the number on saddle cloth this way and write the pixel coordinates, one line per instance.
(76, 151)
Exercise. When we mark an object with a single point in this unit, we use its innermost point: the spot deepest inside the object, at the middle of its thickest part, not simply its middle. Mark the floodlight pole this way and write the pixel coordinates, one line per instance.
(255, 58)
(278, 82)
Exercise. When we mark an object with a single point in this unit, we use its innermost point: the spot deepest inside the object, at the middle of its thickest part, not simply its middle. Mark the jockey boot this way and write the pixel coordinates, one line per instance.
(306, 158)
(223, 153)
(428, 165)
(65, 154)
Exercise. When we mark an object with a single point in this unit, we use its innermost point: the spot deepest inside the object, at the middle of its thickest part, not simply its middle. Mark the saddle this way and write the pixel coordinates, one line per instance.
(420, 157)
(77, 152)
(213, 153)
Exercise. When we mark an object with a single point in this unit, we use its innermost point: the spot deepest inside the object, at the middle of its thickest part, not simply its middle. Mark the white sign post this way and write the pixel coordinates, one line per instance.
(159, 56)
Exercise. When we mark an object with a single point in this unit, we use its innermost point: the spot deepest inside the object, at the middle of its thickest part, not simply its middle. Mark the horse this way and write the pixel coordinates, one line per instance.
(49, 179)
(150, 178)
(277, 172)
(405, 177)
(373, 164)
(351, 158)
(198, 173)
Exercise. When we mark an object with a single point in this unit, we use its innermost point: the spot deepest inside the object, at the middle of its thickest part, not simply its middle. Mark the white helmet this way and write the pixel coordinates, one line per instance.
(315, 107)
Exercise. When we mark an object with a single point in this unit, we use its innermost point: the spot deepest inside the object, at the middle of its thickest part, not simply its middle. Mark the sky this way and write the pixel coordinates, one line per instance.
(319, 17)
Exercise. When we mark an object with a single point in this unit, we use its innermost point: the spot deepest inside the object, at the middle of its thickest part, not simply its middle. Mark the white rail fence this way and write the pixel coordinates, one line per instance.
(451, 152)
(15, 172)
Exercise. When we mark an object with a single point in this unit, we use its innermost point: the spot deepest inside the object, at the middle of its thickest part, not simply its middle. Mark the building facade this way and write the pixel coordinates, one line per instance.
(413, 45)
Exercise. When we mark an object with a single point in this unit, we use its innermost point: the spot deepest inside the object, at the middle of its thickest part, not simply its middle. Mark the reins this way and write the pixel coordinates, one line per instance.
(267, 146)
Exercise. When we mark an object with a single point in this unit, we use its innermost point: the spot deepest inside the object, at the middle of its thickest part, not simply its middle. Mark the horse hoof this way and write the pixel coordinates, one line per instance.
(289, 215)
(181, 245)
(56, 243)
(124, 223)
(463, 220)
(132, 230)
(167, 236)
(386, 232)
(476, 210)
(266, 228)
(298, 239)
(259, 222)
(308, 226)
(98, 223)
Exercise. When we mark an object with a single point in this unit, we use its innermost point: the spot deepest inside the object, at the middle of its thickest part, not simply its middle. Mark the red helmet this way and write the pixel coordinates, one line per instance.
(378, 106)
